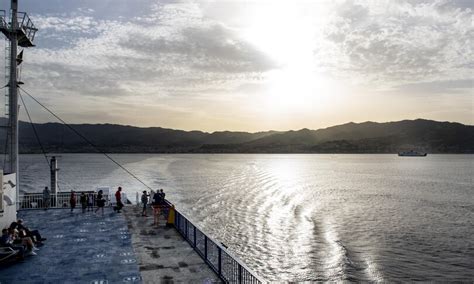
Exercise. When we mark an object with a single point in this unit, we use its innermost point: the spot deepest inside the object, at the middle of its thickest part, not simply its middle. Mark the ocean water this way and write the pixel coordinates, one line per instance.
(307, 217)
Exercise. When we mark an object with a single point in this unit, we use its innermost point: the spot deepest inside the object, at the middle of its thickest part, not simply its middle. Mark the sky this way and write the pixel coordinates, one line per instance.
(249, 65)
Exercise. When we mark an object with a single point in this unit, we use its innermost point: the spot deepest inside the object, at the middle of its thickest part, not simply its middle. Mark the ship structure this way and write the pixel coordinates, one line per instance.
(19, 32)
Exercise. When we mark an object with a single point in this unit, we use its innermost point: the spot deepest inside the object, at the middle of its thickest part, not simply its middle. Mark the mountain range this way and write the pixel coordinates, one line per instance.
(367, 137)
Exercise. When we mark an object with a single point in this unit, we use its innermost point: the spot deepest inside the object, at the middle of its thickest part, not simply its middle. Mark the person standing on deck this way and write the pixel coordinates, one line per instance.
(72, 200)
(162, 194)
(156, 204)
(46, 198)
(145, 202)
(90, 201)
(156, 199)
(118, 198)
(100, 202)
(83, 201)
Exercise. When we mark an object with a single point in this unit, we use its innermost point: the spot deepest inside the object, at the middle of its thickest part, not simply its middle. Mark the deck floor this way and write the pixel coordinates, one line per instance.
(162, 253)
(114, 248)
(80, 248)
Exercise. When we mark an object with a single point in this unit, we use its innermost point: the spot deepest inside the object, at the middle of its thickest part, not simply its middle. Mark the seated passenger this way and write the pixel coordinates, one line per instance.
(20, 238)
(34, 234)
(6, 241)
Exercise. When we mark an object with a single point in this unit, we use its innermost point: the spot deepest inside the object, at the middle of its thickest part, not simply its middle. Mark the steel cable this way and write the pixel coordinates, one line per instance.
(86, 140)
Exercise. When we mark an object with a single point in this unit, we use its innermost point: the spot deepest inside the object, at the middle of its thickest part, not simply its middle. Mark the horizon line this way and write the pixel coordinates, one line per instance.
(251, 132)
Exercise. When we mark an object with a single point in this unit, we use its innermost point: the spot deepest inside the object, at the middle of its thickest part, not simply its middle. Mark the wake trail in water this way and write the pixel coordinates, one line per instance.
(343, 263)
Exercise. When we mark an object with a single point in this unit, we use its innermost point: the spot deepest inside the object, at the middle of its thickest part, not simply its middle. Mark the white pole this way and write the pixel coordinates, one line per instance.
(13, 98)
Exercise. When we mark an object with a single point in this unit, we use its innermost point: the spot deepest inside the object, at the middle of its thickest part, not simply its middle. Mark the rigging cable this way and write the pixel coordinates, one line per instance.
(86, 140)
(36, 135)
(39, 140)
(34, 130)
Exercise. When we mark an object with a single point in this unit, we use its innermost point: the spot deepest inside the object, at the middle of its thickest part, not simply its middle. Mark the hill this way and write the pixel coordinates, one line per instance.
(366, 137)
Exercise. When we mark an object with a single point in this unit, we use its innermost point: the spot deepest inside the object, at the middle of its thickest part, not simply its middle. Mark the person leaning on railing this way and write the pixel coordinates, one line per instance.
(158, 204)
(156, 209)
(46, 198)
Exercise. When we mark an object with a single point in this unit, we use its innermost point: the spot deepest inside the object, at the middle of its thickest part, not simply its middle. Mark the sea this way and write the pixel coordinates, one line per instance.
(305, 217)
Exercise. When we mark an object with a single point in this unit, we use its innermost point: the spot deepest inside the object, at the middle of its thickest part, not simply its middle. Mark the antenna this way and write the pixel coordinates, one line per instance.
(20, 31)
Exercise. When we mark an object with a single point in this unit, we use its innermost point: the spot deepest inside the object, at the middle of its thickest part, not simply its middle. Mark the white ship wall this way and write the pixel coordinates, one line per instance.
(8, 199)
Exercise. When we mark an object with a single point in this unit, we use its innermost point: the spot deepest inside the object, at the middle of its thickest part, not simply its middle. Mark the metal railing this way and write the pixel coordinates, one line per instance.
(24, 24)
(3, 20)
(61, 200)
(220, 260)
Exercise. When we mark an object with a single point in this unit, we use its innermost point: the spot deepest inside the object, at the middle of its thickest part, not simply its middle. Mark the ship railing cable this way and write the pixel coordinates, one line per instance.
(85, 139)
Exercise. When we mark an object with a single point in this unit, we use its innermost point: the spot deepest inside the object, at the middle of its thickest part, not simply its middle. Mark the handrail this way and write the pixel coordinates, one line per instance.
(61, 200)
(3, 21)
(230, 269)
(25, 27)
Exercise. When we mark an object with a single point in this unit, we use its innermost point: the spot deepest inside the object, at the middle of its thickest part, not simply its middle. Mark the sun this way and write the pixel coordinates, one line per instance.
(288, 89)
(286, 32)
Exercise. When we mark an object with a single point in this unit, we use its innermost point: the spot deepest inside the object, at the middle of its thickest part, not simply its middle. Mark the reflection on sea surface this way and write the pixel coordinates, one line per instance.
(308, 217)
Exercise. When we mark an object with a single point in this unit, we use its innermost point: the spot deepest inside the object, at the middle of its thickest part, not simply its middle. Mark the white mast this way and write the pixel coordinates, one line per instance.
(12, 167)
(21, 32)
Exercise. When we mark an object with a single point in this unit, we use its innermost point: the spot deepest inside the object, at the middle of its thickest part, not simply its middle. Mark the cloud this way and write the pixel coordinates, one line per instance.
(54, 24)
(437, 87)
(395, 42)
(212, 48)
(172, 51)
(199, 61)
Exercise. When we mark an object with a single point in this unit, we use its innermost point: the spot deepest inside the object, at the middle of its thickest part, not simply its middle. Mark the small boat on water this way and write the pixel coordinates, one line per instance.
(412, 153)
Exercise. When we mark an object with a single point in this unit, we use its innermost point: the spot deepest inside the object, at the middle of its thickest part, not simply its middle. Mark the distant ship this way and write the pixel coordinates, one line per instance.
(412, 153)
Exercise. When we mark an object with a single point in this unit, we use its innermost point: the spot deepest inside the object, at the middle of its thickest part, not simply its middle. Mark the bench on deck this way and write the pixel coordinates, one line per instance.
(8, 254)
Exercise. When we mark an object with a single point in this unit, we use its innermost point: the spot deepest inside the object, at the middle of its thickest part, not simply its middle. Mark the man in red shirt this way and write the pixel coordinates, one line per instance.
(118, 198)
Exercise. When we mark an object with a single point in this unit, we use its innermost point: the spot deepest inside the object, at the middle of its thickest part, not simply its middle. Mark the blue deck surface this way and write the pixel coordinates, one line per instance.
(80, 248)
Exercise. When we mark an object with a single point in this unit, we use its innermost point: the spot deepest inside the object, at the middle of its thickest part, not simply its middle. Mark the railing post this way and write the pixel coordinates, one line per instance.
(219, 260)
(186, 228)
(194, 237)
(180, 221)
(205, 248)
(176, 219)
(240, 273)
